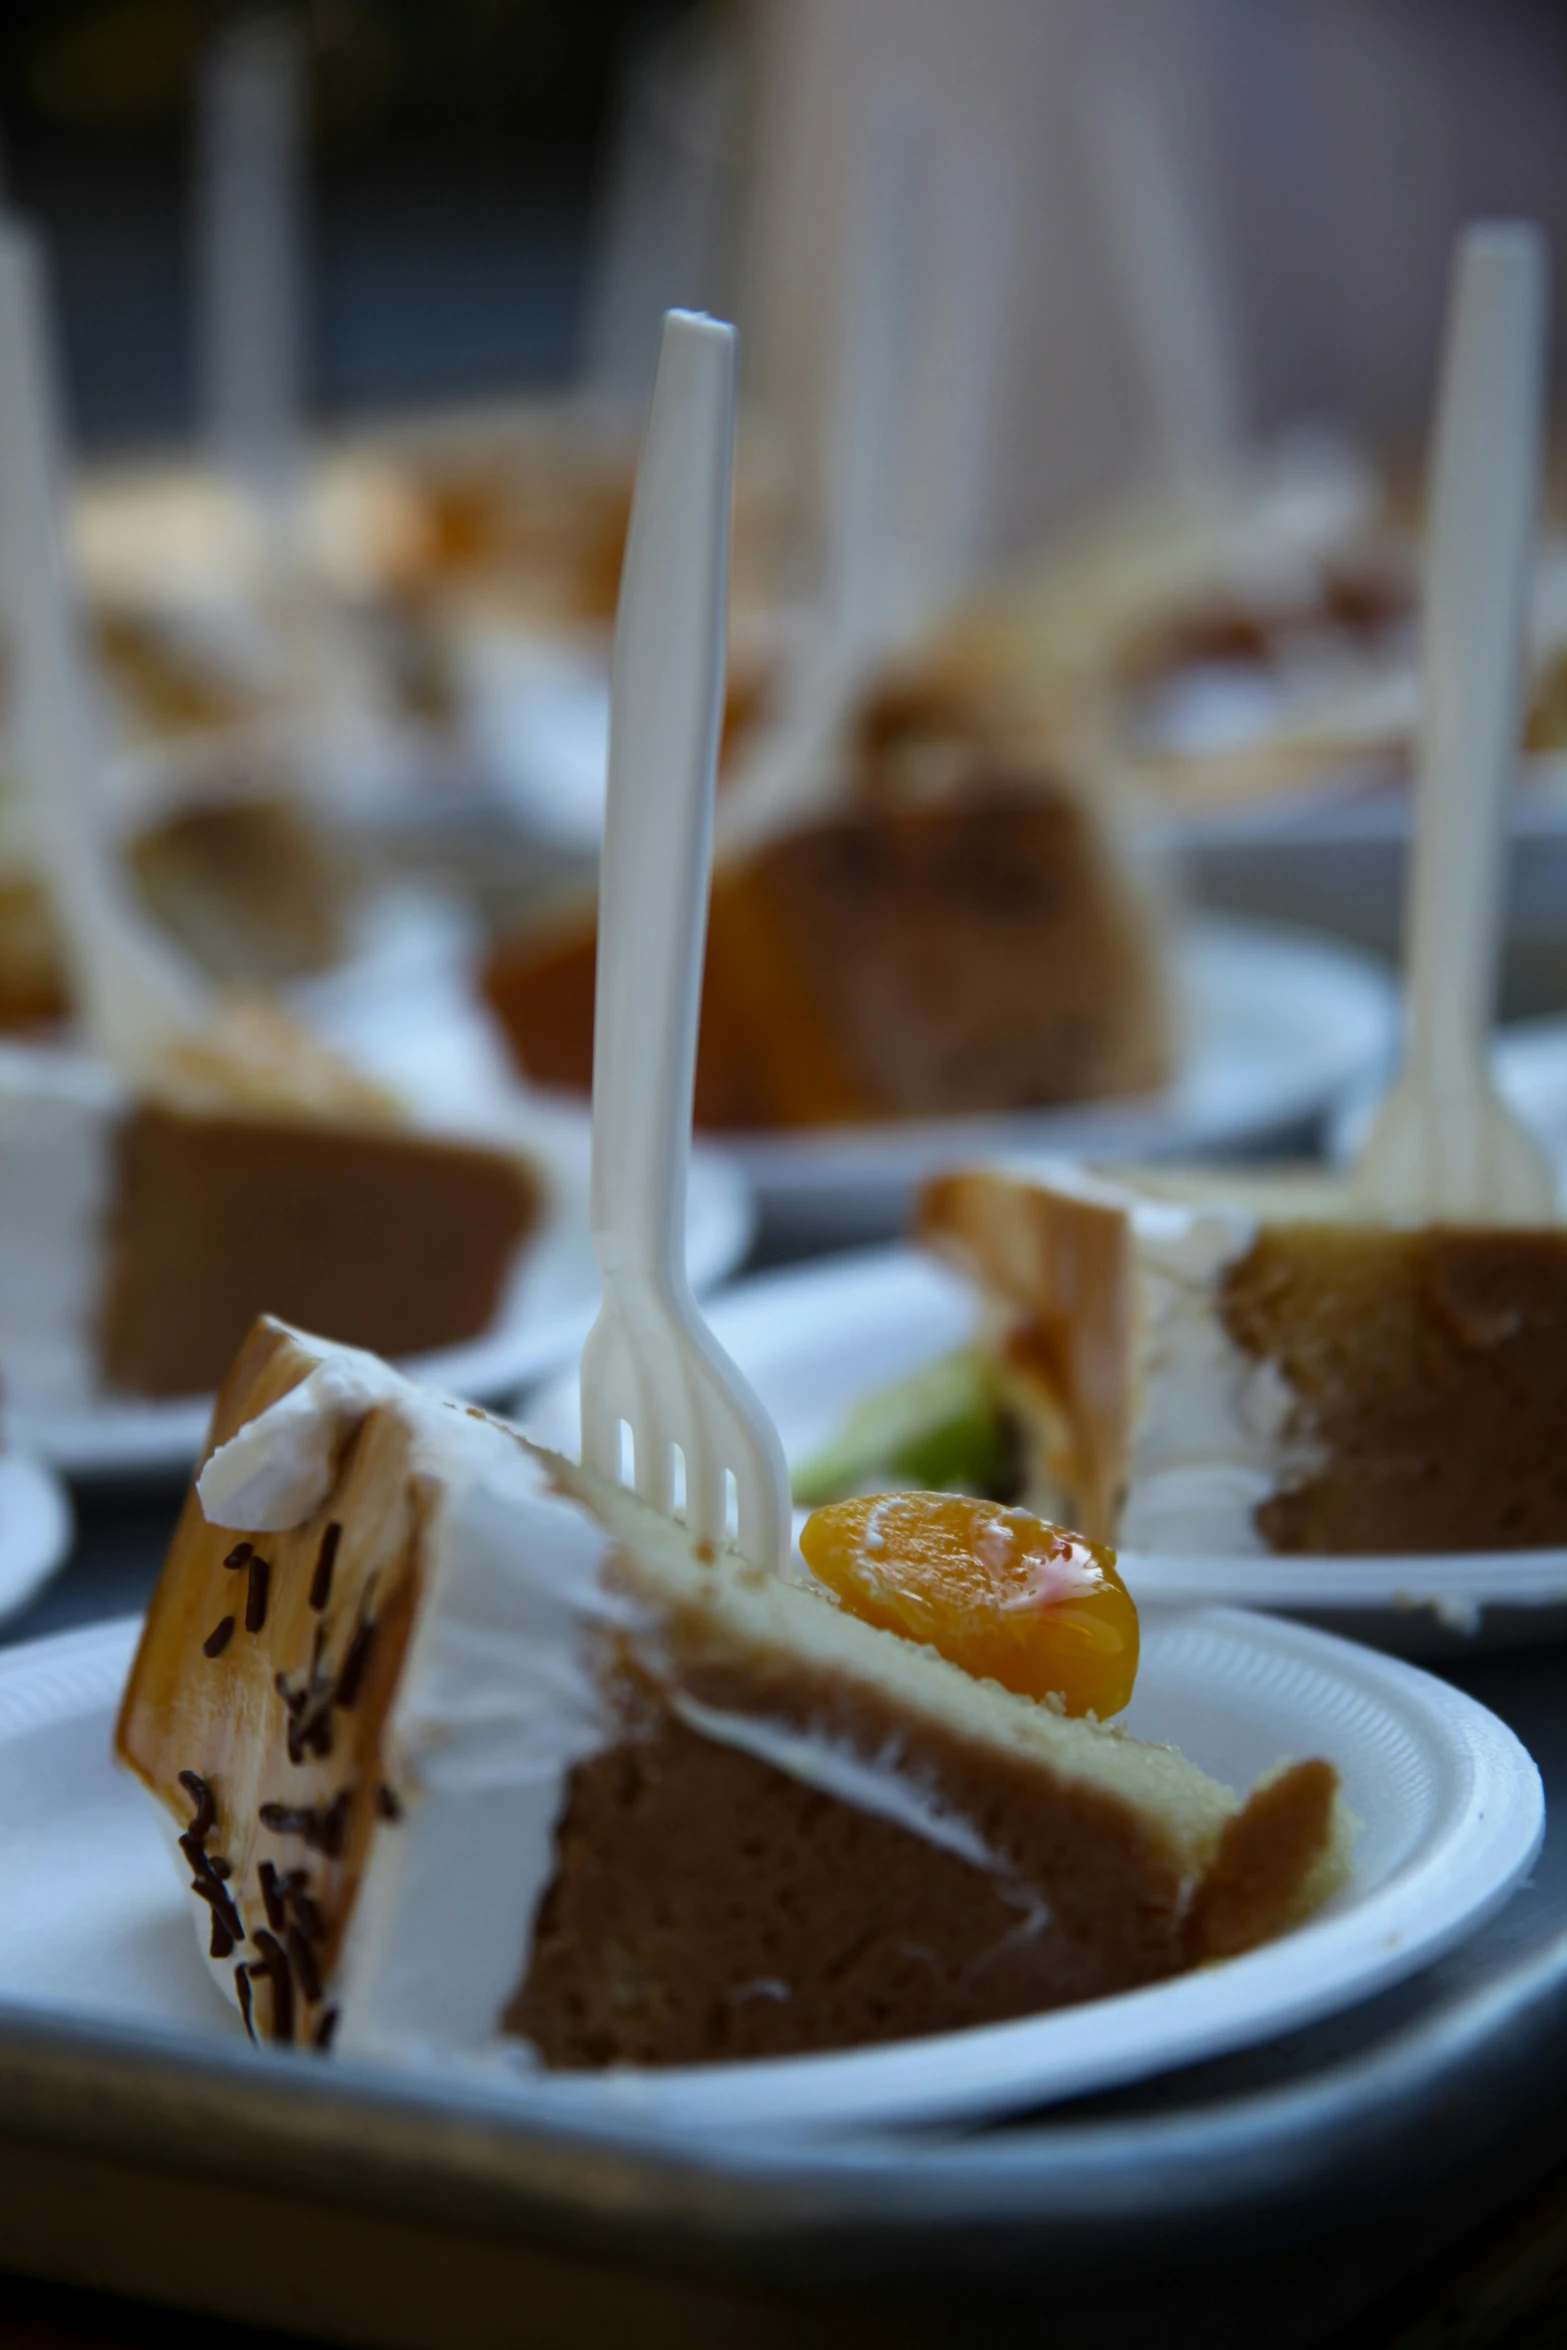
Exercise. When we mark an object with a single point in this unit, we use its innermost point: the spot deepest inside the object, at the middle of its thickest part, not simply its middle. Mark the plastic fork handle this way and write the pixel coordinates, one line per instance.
(666, 697)
(1479, 551)
(137, 991)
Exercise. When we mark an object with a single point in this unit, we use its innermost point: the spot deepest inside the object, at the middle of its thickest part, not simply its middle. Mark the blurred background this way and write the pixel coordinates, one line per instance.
(499, 194)
(357, 304)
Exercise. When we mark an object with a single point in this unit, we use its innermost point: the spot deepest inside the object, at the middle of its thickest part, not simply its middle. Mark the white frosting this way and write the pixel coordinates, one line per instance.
(58, 1113)
(1209, 1443)
(278, 1470)
(882, 1786)
(498, 1701)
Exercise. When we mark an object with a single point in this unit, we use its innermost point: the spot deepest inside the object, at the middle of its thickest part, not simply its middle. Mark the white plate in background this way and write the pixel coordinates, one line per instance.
(814, 1339)
(1280, 1023)
(36, 1529)
(97, 1923)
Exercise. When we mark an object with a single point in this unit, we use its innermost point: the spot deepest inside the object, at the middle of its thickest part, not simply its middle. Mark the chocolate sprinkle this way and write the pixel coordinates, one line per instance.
(208, 1889)
(307, 1916)
(305, 1967)
(351, 1679)
(322, 1830)
(218, 1638)
(326, 1560)
(275, 1964)
(222, 1943)
(387, 1806)
(240, 1555)
(272, 1897)
(310, 1708)
(256, 1593)
(206, 1817)
(326, 2026)
(242, 1986)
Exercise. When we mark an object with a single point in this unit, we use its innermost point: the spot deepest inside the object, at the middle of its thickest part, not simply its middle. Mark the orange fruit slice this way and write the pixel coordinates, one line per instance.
(999, 1592)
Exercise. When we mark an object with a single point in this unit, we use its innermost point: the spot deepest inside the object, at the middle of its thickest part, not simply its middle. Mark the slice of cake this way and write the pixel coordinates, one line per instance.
(954, 930)
(465, 1752)
(142, 1229)
(1195, 1363)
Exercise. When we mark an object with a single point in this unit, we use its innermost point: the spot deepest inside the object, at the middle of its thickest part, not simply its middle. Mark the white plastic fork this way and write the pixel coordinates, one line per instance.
(650, 1361)
(136, 992)
(1445, 1147)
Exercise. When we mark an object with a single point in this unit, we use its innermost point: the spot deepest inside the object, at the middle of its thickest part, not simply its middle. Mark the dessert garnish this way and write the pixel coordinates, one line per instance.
(999, 1592)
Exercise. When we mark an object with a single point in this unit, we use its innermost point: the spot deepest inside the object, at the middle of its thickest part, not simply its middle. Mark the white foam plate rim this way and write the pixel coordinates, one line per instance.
(812, 1339)
(36, 1529)
(1451, 1815)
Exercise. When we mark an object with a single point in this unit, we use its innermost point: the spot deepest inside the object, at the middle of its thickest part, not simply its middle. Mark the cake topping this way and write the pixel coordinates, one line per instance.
(322, 1829)
(206, 1813)
(999, 1592)
(274, 1964)
(219, 1637)
(326, 1560)
(278, 1469)
(257, 1585)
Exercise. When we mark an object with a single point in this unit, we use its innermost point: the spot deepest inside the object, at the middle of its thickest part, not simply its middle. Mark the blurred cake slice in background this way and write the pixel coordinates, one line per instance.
(143, 1226)
(943, 922)
(1245, 1363)
(466, 1754)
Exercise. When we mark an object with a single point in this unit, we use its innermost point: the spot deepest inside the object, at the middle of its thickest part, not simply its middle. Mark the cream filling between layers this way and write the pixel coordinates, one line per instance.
(836, 1769)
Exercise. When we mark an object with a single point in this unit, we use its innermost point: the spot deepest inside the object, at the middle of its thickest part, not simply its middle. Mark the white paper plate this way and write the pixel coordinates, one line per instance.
(545, 1319)
(814, 1339)
(1279, 1024)
(35, 1529)
(96, 1922)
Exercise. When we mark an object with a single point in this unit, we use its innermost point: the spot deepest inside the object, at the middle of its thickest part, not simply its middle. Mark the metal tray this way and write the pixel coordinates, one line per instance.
(1291, 2189)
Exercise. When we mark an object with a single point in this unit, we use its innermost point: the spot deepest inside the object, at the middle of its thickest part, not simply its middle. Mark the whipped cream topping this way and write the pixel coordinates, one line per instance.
(278, 1470)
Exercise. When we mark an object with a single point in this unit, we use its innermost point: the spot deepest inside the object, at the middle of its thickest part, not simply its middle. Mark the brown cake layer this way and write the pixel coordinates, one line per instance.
(708, 1905)
(1429, 1371)
(981, 955)
(394, 1241)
